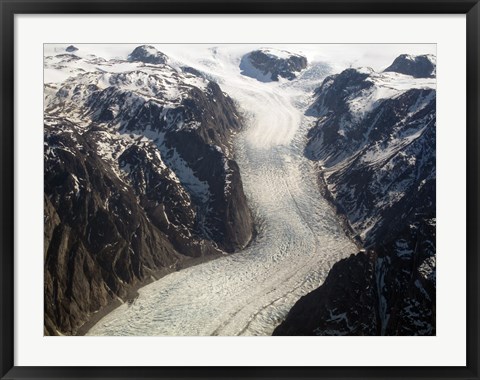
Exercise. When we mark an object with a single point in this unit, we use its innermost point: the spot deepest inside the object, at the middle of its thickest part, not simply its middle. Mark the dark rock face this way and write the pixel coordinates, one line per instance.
(98, 239)
(71, 49)
(269, 65)
(138, 184)
(224, 216)
(420, 66)
(377, 160)
(147, 54)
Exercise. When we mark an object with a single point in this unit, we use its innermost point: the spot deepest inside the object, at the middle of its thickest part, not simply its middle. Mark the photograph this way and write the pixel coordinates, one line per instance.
(239, 189)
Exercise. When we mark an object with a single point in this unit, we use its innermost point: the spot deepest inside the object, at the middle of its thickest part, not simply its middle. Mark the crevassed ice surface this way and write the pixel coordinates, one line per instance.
(299, 240)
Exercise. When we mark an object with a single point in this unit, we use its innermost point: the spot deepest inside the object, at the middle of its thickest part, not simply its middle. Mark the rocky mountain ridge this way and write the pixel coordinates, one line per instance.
(374, 141)
(140, 176)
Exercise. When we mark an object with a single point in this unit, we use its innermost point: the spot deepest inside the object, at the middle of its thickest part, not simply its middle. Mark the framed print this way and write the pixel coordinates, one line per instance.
(251, 190)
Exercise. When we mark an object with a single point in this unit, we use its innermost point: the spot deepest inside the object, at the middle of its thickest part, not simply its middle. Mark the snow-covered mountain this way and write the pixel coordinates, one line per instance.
(139, 176)
(374, 141)
(269, 64)
(147, 54)
(418, 66)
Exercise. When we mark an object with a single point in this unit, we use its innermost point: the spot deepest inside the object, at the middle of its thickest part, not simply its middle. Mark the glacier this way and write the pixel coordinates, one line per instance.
(299, 235)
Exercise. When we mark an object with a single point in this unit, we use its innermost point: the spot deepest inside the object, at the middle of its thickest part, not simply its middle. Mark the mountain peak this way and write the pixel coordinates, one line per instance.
(147, 54)
(71, 48)
(418, 66)
(268, 64)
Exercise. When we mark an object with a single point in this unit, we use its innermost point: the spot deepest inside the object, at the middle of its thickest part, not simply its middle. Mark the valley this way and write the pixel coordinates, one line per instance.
(240, 190)
(299, 237)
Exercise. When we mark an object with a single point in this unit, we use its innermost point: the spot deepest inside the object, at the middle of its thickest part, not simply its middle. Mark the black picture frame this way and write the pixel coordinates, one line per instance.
(10, 8)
